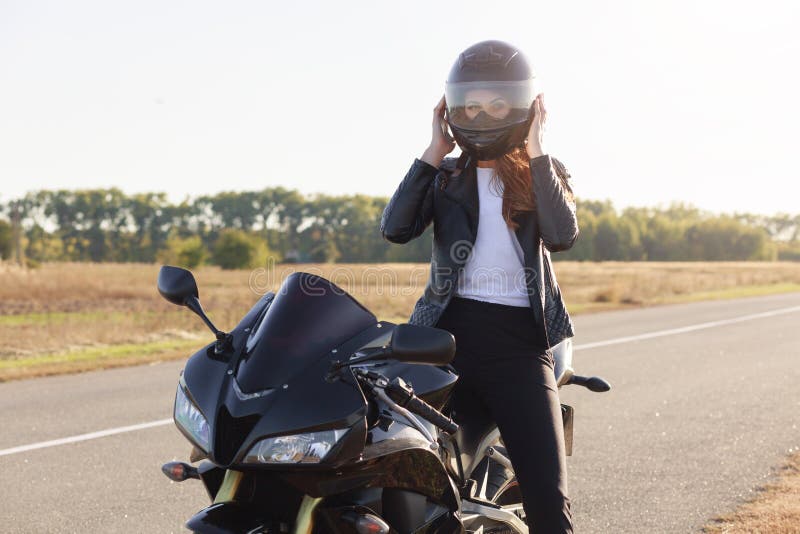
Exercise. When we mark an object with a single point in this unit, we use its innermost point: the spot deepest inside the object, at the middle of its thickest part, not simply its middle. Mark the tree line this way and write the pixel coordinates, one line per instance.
(243, 229)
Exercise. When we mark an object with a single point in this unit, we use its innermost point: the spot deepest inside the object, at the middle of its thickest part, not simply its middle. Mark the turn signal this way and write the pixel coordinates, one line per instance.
(179, 471)
(370, 524)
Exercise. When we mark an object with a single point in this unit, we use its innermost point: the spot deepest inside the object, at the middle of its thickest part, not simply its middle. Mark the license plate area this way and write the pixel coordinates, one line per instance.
(567, 414)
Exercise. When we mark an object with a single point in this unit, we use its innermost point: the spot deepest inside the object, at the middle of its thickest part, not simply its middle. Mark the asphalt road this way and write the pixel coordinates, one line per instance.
(705, 404)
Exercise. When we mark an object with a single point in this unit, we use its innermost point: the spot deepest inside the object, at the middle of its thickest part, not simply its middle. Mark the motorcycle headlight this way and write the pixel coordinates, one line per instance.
(189, 418)
(308, 448)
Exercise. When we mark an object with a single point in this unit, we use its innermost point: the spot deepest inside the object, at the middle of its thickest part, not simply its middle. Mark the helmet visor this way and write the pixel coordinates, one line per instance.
(481, 106)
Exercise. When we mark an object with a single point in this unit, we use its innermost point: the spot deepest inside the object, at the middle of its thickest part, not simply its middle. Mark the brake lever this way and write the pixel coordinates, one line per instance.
(364, 357)
(336, 367)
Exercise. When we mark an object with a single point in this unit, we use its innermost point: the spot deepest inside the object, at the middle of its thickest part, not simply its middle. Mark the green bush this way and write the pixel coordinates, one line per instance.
(187, 252)
(723, 238)
(237, 249)
(6, 240)
(789, 251)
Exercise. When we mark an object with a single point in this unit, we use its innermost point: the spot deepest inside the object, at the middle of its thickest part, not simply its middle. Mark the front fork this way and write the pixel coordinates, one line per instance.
(303, 523)
(230, 485)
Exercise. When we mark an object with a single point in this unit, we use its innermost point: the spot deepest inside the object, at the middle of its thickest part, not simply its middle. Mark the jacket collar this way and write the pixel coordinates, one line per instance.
(463, 189)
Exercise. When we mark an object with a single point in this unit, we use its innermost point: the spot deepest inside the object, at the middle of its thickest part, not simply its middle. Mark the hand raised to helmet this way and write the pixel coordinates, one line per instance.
(534, 143)
(441, 142)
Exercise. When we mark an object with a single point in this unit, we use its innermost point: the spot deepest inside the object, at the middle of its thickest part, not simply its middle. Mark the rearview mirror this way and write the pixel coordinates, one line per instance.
(177, 285)
(422, 344)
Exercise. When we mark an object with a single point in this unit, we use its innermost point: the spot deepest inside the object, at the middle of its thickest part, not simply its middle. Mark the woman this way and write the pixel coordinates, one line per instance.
(498, 211)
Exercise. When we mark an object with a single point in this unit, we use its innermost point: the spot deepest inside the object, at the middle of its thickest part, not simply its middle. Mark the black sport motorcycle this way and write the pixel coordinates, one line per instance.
(305, 421)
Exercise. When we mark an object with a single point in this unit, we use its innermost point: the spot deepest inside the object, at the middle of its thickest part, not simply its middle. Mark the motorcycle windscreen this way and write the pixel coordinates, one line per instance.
(308, 318)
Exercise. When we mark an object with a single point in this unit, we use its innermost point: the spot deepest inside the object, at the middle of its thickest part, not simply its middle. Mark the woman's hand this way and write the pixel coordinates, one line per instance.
(441, 142)
(534, 144)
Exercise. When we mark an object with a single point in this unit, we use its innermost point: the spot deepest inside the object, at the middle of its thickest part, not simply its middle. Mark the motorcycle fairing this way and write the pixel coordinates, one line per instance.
(308, 403)
(389, 469)
(309, 317)
(305, 307)
(300, 399)
(431, 383)
(204, 372)
(387, 459)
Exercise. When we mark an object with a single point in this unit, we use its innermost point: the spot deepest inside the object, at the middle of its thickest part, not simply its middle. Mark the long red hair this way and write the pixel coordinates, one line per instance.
(513, 170)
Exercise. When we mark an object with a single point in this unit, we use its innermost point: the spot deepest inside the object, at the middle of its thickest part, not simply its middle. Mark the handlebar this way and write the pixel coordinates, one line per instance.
(404, 396)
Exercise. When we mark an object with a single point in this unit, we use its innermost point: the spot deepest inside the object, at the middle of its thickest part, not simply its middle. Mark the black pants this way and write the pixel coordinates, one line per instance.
(507, 372)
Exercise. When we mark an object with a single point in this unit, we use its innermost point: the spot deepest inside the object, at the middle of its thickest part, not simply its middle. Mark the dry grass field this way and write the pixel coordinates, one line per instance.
(72, 317)
(66, 317)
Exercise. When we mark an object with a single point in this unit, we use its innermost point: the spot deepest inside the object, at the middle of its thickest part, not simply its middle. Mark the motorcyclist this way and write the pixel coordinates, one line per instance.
(507, 182)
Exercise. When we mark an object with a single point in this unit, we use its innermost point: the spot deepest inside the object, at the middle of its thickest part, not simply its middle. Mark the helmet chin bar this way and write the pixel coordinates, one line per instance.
(491, 144)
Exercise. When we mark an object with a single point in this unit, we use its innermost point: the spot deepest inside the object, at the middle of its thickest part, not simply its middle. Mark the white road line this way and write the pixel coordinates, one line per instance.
(84, 437)
(585, 346)
(684, 329)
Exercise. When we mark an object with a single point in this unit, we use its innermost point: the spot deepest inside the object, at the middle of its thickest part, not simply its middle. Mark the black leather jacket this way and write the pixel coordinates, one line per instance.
(428, 194)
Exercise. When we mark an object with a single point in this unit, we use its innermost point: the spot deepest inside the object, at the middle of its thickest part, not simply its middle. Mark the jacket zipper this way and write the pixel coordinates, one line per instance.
(546, 263)
(443, 186)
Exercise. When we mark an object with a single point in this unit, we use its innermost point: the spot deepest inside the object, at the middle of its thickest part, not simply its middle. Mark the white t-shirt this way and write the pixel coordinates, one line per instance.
(494, 271)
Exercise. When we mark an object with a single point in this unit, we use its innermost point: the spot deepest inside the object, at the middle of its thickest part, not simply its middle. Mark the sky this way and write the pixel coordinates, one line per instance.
(648, 102)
